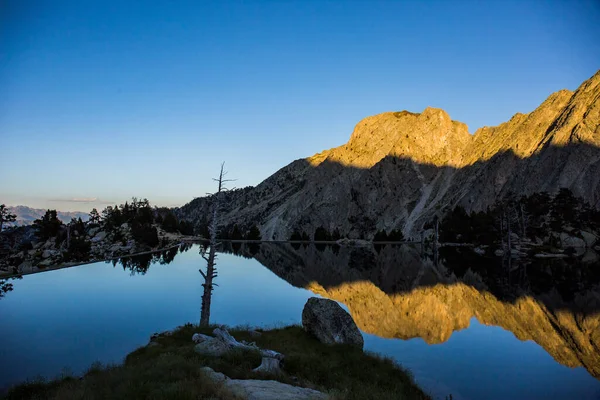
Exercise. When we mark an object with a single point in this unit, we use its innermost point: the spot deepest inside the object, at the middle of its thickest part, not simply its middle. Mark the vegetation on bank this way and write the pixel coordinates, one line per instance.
(171, 370)
(538, 217)
(120, 230)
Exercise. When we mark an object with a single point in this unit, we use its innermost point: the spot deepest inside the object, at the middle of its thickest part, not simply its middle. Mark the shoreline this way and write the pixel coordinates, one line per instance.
(78, 264)
(197, 240)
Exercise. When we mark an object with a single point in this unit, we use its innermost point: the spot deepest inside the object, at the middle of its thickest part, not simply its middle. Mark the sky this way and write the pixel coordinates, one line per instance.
(104, 100)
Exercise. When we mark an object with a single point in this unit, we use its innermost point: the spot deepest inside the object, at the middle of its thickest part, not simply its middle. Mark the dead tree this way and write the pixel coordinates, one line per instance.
(211, 272)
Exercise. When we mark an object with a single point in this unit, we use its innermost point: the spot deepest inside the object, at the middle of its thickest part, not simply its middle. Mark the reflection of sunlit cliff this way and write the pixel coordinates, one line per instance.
(392, 293)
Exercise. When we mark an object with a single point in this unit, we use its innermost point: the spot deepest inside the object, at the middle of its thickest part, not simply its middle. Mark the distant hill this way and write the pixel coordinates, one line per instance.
(26, 215)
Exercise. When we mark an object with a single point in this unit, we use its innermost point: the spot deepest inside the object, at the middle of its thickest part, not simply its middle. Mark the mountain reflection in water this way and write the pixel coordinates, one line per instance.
(395, 291)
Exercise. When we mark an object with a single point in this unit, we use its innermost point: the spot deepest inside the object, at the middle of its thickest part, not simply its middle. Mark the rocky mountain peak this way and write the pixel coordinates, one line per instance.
(399, 169)
(430, 137)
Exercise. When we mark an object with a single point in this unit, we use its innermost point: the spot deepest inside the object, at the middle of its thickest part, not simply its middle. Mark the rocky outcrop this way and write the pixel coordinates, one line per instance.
(252, 389)
(330, 323)
(399, 169)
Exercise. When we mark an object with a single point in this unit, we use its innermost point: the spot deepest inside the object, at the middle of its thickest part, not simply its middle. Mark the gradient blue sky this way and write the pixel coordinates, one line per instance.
(113, 99)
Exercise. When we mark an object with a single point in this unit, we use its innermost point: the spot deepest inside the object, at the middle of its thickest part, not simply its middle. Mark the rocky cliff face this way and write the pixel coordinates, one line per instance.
(399, 169)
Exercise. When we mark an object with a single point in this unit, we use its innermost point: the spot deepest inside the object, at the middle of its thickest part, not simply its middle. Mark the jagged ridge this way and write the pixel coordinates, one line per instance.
(400, 168)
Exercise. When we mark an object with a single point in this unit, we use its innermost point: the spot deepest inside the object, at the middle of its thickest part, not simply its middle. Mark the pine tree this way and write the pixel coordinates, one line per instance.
(6, 216)
(254, 233)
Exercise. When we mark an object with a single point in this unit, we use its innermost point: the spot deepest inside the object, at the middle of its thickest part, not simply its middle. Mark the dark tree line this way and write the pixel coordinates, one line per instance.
(141, 217)
(70, 236)
(236, 233)
(395, 235)
(534, 217)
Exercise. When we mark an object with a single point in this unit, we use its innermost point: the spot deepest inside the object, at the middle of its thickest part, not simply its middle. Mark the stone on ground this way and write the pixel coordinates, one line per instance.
(330, 323)
(252, 389)
(212, 347)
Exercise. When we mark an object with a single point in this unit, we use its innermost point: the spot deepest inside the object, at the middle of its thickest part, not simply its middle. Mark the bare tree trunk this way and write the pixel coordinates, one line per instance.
(68, 236)
(211, 272)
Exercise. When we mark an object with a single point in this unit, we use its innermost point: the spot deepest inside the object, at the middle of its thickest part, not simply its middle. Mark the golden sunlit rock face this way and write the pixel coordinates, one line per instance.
(400, 169)
(431, 137)
(395, 293)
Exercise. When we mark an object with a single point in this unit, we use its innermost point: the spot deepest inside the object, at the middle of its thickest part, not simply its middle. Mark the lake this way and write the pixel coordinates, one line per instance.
(470, 326)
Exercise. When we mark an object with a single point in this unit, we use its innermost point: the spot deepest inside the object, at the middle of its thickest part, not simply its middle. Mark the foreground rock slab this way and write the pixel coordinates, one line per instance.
(224, 342)
(253, 389)
(330, 323)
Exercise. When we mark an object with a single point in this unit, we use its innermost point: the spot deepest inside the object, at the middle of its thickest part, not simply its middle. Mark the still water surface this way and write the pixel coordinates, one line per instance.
(473, 329)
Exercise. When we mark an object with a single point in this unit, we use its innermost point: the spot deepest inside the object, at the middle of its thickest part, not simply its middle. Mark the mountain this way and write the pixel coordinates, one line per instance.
(26, 215)
(399, 169)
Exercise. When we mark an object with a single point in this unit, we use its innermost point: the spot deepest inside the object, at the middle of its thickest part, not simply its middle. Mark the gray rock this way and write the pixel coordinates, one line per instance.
(330, 323)
(211, 347)
(199, 338)
(49, 244)
(214, 376)
(25, 266)
(92, 232)
(46, 263)
(252, 389)
(589, 238)
(49, 253)
(571, 241)
(270, 390)
(100, 236)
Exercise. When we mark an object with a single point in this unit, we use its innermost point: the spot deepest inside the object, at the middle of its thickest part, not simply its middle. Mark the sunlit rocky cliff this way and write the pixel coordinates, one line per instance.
(399, 169)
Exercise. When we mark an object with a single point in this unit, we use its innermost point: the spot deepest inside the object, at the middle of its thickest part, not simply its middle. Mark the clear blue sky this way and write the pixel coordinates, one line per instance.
(112, 99)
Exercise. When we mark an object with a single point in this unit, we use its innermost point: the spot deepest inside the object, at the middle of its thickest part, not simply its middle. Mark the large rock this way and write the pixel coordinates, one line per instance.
(211, 347)
(50, 253)
(571, 241)
(330, 323)
(252, 389)
(100, 236)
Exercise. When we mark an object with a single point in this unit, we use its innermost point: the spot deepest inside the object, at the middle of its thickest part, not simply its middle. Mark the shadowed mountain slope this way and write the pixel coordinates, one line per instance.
(399, 169)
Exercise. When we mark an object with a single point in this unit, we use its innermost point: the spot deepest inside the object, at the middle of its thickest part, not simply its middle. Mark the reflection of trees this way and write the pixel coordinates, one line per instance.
(184, 247)
(140, 264)
(7, 286)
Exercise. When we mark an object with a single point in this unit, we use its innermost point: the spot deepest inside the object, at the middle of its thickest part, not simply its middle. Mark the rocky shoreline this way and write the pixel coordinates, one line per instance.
(49, 255)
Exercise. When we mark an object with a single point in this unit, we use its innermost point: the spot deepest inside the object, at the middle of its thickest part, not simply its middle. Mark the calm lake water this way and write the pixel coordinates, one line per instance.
(468, 326)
